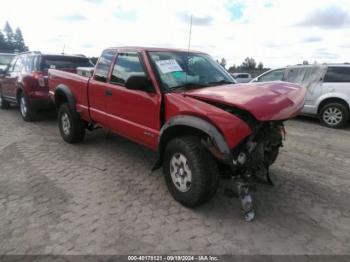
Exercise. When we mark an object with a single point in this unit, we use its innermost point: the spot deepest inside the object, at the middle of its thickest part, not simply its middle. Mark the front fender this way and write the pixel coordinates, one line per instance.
(200, 124)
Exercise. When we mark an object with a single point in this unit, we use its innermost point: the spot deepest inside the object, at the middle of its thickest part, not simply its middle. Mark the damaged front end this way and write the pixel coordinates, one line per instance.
(251, 159)
(253, 156)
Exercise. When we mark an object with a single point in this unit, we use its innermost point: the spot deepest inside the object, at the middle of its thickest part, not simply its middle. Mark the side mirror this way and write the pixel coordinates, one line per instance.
(139, 82)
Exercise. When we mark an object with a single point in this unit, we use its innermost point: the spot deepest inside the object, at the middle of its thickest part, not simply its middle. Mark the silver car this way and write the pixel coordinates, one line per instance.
(242, 77)
(328, 90)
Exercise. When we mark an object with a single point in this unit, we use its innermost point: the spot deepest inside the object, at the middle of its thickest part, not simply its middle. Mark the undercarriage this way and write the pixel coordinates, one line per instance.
(252, 159)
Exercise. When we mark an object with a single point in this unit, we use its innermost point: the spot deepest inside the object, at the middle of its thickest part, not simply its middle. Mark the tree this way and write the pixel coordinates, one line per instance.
(305, 62)
(12, 42)
(19, 41)
(260, 66)
(9, 36)
(248, 63)
(232, 68)
(3, 45)
(223, 62)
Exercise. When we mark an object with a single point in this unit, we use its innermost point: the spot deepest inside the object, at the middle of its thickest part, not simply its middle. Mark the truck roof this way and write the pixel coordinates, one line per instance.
(154, 49)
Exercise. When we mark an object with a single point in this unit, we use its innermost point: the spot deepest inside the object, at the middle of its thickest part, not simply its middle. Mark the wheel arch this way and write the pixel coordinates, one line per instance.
(19, 91)
(64, 95)
(332, 99)
(191, 125)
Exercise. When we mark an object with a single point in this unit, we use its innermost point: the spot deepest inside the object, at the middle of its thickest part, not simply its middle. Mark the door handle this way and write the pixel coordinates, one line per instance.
(108, 93)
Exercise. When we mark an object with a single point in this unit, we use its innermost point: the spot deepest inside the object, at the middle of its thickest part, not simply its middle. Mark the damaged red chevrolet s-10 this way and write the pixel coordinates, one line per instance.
(186, 107)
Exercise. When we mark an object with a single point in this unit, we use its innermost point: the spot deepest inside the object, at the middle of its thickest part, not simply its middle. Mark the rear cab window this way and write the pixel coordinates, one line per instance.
(64, 62)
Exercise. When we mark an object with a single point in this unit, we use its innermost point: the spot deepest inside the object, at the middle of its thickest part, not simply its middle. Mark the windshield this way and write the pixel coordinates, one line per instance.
(183, 69)
(5, 59)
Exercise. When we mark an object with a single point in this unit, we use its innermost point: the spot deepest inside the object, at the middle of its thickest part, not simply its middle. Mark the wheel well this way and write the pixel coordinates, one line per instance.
(178, 131)
(181, 130)
(332, 100)
(18, 93)
(60, 98)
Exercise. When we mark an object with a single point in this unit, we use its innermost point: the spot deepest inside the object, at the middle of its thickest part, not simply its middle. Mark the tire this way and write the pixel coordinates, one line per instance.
(71, 126)
(3, 103)
(27, 112)
(334, 115)
(195, 162)
(271, 157)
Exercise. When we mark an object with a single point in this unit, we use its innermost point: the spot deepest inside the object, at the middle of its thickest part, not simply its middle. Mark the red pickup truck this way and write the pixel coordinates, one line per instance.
(186, 107)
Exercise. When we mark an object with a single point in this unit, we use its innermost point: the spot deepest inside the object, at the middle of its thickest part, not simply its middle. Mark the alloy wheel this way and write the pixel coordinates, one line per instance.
(23, 106)
(181, 173)
(65, 124)
(332, 116)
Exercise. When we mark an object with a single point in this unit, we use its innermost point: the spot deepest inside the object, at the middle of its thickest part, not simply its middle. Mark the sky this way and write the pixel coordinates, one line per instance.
(276, 32)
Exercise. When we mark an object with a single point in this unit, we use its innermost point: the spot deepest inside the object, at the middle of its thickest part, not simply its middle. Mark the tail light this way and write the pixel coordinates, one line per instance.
(40, 77)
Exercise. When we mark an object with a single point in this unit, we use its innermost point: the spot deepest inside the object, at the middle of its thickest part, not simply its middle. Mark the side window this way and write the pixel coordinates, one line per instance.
(28, 63)
(19, 65)
(103, 65)
(12, 65)
(275, 75)
(337, 74)
(127, 64)
(36, 63)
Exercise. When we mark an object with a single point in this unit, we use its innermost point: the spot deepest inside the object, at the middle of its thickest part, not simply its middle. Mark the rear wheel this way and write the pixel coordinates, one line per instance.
(334, 115)
(191, 173)
(26, 110)
(71, 126)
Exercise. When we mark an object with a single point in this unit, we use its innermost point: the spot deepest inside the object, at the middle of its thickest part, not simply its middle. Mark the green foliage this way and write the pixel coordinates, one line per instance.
(249, 63)
(223, 62)
(12, 42)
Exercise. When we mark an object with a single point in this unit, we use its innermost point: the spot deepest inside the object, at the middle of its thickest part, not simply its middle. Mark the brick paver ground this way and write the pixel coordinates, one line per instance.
(100, 197)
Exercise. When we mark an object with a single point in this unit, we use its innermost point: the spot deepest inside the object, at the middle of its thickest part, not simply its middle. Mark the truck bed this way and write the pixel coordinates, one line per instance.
(77, 84)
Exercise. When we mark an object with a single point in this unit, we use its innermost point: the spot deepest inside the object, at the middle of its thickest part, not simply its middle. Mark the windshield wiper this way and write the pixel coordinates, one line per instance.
(221, 82)
(186, 86)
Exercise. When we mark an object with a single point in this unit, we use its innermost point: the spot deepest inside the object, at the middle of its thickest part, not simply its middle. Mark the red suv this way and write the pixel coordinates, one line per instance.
(24, 82)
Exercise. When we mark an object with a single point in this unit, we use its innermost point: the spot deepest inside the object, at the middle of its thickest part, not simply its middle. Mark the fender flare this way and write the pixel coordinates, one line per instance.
(195, 122)
(68, 93)
(324, 97)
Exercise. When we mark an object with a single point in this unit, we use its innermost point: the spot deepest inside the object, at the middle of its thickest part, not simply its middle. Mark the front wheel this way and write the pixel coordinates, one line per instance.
(191, 173)
(71, 126)
(334, 115)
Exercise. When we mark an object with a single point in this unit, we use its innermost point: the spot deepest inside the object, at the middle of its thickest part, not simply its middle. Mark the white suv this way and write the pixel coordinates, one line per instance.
(328, 95)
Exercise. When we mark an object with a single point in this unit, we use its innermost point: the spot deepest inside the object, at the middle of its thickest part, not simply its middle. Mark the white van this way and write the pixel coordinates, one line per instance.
(328, 86)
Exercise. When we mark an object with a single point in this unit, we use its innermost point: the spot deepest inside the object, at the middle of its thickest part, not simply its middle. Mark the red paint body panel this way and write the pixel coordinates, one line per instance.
(266, 101)
(231, 127)
(78, 86)
(137, 115)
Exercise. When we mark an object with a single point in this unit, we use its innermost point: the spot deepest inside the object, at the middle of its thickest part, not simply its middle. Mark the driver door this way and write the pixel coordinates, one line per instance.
(9, 80)
(134, 114)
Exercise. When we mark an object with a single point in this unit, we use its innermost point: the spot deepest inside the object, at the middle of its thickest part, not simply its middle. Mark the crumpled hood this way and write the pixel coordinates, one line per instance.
(266, 101)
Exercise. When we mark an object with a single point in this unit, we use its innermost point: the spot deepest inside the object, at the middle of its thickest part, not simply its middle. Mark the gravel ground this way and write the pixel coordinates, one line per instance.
(100, 197)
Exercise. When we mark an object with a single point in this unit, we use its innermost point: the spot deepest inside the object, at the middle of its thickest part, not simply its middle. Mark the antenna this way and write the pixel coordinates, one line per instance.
(190, 34)
(188, 47)
(64, 47)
